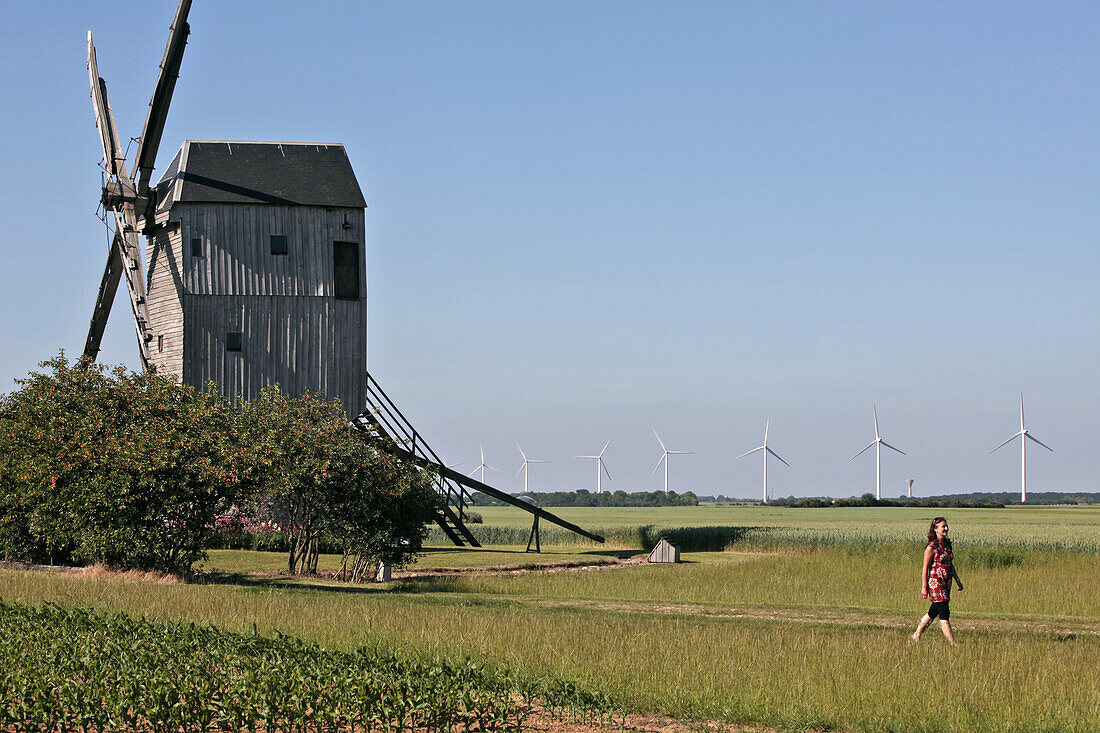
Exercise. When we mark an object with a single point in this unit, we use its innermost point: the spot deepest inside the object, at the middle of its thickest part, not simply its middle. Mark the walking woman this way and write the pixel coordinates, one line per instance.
(936, 576)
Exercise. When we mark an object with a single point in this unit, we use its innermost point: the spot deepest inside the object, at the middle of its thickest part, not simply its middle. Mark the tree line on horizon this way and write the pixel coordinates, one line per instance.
(586, 498)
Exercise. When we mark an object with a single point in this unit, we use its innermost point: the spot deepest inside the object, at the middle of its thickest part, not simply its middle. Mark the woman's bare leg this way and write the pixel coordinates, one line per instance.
(946, 626)
(925, 620)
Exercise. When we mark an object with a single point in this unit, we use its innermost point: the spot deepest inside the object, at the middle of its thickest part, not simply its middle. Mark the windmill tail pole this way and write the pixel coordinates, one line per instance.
(476, 485)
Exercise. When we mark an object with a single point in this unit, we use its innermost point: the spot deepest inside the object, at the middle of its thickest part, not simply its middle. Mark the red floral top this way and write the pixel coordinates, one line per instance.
(939, 575)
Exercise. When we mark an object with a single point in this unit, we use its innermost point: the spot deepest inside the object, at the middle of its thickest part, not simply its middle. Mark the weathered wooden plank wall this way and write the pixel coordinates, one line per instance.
(295, 332)
(165, 298)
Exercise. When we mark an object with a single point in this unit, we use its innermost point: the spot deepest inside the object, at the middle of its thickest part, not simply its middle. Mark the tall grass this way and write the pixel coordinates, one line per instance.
(1075, 529)
(791, 675)
(885, 577)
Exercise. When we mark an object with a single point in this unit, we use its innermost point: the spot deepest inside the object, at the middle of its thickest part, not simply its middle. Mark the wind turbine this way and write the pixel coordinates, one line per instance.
(909, 482)
(878, 442)
(1024, 436)
(599, 465)
(766, 450)
(523, 469)
(664, 457)
(483, 465)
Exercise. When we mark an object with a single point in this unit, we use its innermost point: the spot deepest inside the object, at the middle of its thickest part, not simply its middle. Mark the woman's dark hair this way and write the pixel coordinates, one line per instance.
(932, 532)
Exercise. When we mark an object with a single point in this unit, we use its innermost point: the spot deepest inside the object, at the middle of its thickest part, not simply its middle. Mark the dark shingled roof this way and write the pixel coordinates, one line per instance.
(307, 174)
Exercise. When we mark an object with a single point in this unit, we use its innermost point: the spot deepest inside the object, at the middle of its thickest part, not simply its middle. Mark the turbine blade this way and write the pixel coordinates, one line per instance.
(857, 455)
(521, 451)
(604, 467)
(518, 472)
(534, 461)
(659, 439)
(750, 452)
(605, 446)
(681, 452)
(875, 408)
(663, 456)
(1017, 435)
(491, 468)
(766, 426)
(893, 448)
(1021, 411)
(1029, 436)
(777, 456)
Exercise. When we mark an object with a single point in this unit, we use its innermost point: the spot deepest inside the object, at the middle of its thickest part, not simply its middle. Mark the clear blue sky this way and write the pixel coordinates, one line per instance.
(590, 219)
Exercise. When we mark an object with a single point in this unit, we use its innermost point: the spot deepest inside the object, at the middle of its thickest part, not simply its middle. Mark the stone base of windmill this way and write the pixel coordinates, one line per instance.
(664, 551)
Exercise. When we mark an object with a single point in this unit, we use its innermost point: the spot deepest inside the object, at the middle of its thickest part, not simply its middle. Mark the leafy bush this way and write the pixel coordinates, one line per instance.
(107, 466)
(128, 469)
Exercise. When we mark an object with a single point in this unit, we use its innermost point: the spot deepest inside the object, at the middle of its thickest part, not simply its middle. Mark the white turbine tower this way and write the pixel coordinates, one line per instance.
(878, 442)
(599, 465)
(664, 457)
(766, 450)
(909, 482)
(1024, 436)
(523, 468)
(483, 465)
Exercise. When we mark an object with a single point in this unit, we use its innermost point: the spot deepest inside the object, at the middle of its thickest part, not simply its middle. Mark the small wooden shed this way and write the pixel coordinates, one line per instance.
(664, 551)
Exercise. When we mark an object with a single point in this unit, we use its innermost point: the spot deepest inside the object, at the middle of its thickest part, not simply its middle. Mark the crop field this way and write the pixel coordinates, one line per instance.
(801, 626)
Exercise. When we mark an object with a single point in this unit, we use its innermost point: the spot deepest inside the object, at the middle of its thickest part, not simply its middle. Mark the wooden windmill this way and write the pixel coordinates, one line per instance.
(256, 254)
(257, 273)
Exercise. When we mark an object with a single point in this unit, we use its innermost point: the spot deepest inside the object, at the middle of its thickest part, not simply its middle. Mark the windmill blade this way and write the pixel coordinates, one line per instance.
(162, 97)
(659, 440)
(749, 453)
(518, 472)
(605, 447)
(604, 467)
(105, 299)
(521, 452)
(857, 455)
(104, 118)
(1029, 436)
(680, 452)
(491, 468)
(1017, 435)
(767, 425)
(875, 408)
(597, 457)
(534, 461)
(893, 448)
(663, 456)
(1021, 412)
(777, 456)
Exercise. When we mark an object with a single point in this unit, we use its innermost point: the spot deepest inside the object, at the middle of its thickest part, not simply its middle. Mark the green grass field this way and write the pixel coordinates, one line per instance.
(1060, 527)
(810, 634)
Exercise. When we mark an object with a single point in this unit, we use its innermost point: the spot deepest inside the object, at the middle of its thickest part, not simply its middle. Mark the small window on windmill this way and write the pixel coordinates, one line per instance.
(278, 244)
(196, 246)
(665, 551)
(345, 270)
(234, 341)
(160, 342)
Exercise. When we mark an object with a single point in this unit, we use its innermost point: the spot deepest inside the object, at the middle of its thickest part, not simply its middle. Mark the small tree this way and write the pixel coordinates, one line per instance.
(298, 448)
(384, 513)
(105, 465)
(329, 483)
